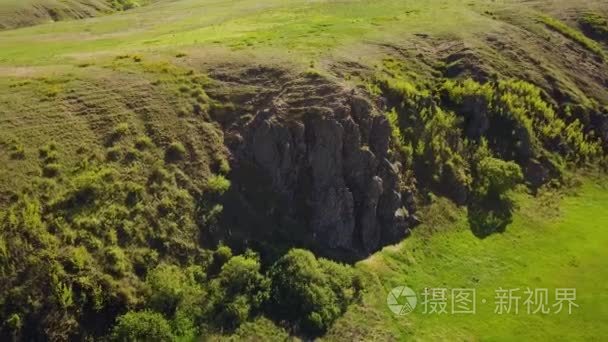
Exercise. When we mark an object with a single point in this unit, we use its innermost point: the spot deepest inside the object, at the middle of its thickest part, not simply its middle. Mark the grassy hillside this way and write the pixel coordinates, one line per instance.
(20, 13)
(120, 134)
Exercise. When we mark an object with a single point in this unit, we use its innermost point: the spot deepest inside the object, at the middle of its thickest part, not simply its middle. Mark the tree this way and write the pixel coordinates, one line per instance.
(169, 285)
(491, 208)
(142, 326)
(178, 294)
(496, 177)
(240, 290)
(310, 293)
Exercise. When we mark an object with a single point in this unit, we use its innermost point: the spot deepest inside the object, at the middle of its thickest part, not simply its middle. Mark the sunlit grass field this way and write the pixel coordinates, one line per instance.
(304, 28)
(556, 241)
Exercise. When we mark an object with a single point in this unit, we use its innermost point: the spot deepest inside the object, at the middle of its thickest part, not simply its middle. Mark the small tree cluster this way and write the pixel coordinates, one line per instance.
(309, 292)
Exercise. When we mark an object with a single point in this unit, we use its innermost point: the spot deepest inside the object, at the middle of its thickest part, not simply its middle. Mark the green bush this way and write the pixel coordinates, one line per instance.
(123, 5)
(402, 146)
(439, 151)
(17, 152)
(48, 153)
(518, 123)
(51, 170)
(114, 154)
(490, 208)
(121, 130)
(427, 137)
(86, 188)
(220, 257)
(310, 293)
(116, 260)
(14, 323)
(234, 312)
(142, 326)
(143, 142)
(99, 231)
(169, 285)
(218, 184)
(241, 289)
(496, 177)
(159, 175)
(78, 259)
(175, 151)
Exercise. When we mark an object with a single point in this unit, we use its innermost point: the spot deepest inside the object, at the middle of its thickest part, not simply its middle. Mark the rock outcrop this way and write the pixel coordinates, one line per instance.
(318, 157)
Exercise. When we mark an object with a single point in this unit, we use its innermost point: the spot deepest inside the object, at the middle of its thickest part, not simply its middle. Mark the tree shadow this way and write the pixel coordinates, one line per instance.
(487, 217)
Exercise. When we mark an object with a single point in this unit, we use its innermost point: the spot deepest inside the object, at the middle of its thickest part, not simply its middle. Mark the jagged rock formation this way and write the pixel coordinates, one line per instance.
(318, 157)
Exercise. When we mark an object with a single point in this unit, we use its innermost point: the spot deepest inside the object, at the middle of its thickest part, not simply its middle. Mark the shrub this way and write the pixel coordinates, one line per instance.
(224, 166)
(240, 290)
(490, 209)
(496, 177)
(132, 155)
(234, 312)
(143, 260)
(169, 285)
(310, 293)
(143, 142)
(87, 187)
(438, 155)
(121, 130)
(142, 326)
(175, 151)
(218, 184)
(516, 120)
(116, 261)
(78, 258)
(241, 275)
(114, 154)
(404, 148)
(51, 170)
(159, 175)
(220, 257)
(14, 323)
(427, 137)
(135, 193)
(17, 152)
(580, 147)
(48, 153)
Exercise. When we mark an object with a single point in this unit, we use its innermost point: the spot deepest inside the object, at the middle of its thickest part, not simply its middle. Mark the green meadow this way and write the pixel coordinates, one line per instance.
(297, 29)
(557, 240)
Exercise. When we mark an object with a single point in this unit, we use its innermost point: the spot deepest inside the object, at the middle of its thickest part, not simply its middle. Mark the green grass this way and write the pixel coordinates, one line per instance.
(298, 26)
(20, 13)
(554, 242)
(575, 35)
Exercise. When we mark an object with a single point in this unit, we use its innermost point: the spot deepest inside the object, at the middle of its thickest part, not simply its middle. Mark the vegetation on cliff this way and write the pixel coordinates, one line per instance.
(163, 179)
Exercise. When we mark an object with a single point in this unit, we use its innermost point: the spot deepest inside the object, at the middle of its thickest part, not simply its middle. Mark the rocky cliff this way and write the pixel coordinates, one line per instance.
(314, 168)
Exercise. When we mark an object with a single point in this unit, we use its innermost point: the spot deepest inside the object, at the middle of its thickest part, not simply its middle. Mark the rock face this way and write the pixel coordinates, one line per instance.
(321, 153)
